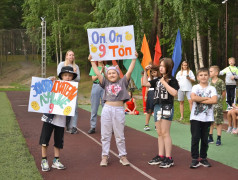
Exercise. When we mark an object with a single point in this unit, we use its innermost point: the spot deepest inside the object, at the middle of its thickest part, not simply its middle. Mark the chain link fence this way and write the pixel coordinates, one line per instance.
(16, 42)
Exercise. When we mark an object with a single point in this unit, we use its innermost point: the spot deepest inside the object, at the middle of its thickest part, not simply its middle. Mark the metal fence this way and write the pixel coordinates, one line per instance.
(16, 42)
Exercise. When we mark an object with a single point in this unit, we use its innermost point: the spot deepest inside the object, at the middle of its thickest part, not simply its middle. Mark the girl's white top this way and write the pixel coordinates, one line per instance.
(184, 83)
(61, 64)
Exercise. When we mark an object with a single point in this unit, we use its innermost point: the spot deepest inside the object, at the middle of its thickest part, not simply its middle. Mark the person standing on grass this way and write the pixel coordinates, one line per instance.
(96, 95)
(113, 114)
(218, 110)
(231, 78)
(154, 73)
(203, 96)
(185, 78)
(165, 88)
(71, 126)
(57, 124)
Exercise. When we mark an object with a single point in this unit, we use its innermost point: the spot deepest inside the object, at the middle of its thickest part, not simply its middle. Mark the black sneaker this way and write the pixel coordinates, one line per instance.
(205, 163)
(167, 163)
(218, 143)
(195, 163)
(210, 140)
(74, 130)
(156, 160)
(91, 131)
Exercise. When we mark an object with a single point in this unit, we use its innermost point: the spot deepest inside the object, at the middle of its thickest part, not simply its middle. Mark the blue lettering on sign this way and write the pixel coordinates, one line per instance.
(42, 87)
(95, 39)
(112, 36)
(119, 38)
(102, 39)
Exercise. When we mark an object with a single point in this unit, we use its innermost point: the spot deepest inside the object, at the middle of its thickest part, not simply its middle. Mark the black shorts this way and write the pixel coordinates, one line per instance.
(46, 132)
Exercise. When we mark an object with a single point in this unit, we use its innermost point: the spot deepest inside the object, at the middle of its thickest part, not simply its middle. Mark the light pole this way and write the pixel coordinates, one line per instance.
(225, 2)
(43, 48)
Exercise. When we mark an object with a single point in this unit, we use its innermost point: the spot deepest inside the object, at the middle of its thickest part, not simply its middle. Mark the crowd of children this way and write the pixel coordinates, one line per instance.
(205, 102)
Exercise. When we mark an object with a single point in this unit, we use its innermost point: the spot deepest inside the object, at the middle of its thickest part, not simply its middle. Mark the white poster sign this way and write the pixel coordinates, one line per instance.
(54, 97)
(112, 43)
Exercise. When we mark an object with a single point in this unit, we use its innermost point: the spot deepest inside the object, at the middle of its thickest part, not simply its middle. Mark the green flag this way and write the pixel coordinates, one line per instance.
(136, 74)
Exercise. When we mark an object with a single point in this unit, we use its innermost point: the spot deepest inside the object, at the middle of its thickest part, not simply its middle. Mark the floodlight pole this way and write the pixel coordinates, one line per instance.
(43, 48)
(225, 2)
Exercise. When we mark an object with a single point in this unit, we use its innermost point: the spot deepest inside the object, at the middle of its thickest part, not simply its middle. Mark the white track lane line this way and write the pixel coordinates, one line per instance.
(133, 166)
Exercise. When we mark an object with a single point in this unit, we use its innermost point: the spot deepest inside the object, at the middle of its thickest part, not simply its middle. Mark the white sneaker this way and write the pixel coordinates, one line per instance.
(124, 161)
(146, 128)
(57, 164)
(234, 131)
(229, 130)
(229, 108)
(45, 165)
(104, 161)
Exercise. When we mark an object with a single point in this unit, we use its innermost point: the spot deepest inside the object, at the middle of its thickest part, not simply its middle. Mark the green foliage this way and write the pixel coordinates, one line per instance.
(149, 17)
(65, 24)
(10, 14)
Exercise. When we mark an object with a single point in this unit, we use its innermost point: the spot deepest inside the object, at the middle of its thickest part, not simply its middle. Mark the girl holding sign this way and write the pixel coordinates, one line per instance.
(113, 115)
(71, 127)
(165, 88)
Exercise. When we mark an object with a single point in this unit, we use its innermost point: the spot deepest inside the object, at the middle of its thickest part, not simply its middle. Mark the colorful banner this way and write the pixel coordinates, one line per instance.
(112, 43)
(136, 73)
(146, 53)
(54, 97)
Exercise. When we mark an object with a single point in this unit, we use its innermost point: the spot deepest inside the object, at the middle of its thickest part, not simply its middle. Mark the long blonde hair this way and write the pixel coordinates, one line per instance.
(188, 69)
(66, 62)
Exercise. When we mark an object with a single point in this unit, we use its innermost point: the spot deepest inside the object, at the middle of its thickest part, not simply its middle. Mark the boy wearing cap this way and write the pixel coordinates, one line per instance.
(57, 124)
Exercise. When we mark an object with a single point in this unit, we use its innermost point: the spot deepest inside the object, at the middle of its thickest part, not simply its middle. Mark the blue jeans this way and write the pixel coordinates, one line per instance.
(157, 108)
(96, 96)
(74, 119)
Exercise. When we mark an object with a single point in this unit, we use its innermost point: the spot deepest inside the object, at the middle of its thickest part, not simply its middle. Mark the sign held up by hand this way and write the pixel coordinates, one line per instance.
(53, 97)
(111, 43)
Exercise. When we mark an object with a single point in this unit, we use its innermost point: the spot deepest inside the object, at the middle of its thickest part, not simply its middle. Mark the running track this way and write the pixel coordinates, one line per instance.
(82, 153)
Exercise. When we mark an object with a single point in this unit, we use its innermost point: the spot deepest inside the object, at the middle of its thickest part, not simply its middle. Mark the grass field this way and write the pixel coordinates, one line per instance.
(15, 159)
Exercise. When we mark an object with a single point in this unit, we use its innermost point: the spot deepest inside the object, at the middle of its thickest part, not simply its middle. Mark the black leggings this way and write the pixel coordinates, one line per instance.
(230, 94)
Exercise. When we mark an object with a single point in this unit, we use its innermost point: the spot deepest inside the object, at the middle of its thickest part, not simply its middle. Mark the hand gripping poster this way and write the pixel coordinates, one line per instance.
(112, 43)
(54, 97)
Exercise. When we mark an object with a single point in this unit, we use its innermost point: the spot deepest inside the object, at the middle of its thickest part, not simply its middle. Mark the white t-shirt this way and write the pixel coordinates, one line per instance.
(150, 89)
(203, 112)
(184, 83)
(58, 120)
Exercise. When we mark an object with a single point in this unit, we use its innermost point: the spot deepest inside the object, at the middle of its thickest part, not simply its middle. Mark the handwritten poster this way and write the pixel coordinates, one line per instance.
(112, 43)
(54, 97)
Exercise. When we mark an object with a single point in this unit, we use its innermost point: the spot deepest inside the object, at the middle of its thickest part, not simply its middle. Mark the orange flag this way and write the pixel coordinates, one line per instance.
(158, 52)
(146, 53)
(114, 62)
